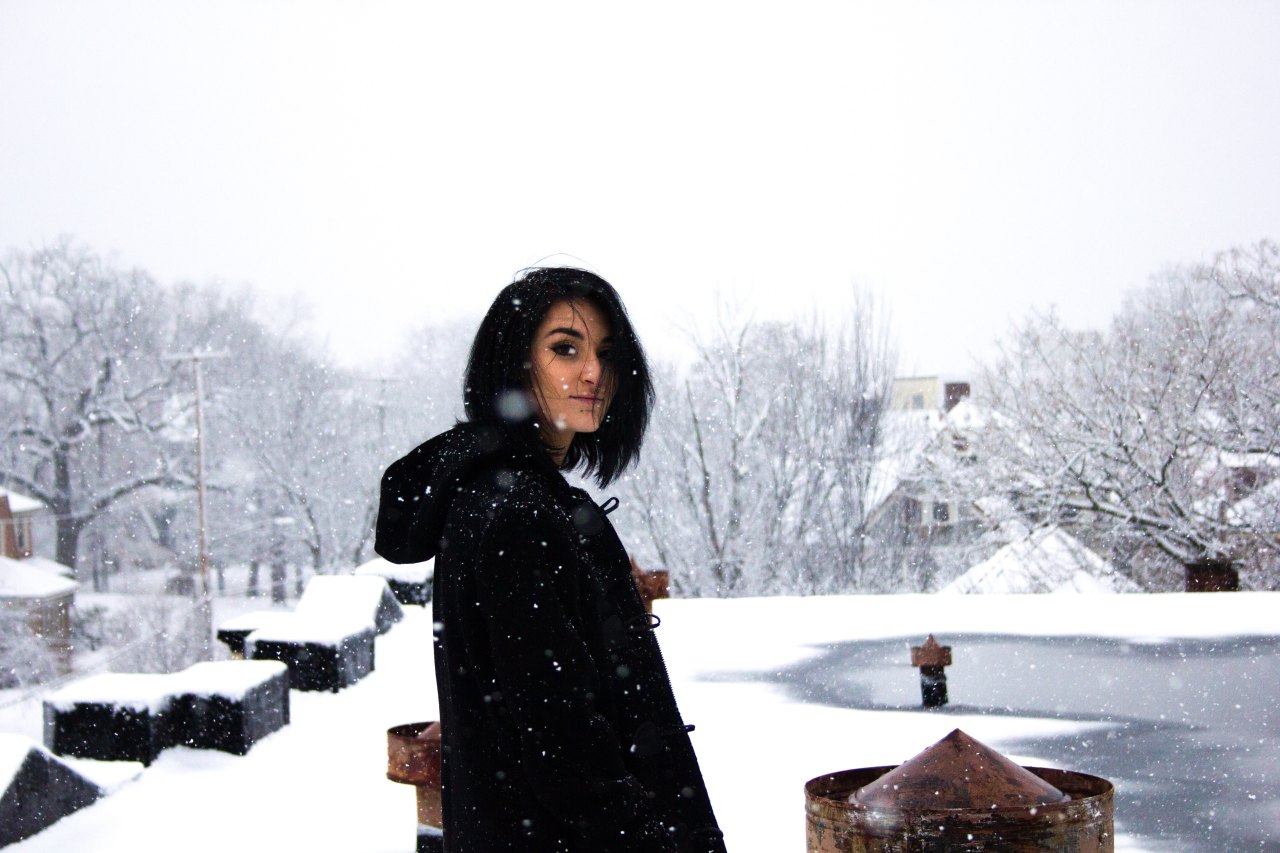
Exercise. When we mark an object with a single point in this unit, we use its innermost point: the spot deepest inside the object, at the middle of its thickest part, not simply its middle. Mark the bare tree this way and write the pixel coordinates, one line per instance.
(83, 387)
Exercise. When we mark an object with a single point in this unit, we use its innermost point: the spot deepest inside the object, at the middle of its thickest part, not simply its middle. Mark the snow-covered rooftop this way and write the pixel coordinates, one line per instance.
(254, 619)
(332, 597)
(44, 564)
(1047, 559)
(342, 801)
(139, 691)
(19, 503)
(231, 679)
(33, 578)
(910, 434)
(402, 572)
(13, 751)
(329, 630)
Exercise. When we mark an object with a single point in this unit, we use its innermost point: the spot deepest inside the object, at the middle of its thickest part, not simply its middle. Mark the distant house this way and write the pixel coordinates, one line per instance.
(37, 588)
(921, 393)
(15, 523)
(1257, 512)
(929, 420)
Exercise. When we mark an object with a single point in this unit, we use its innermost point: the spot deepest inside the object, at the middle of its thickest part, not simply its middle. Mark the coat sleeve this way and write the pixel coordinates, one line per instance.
(571, 754)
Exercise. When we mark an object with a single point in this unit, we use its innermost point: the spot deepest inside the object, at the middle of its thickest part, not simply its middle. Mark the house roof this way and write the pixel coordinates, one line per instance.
(910, 435)
(23, 579)
(44, 564)
(21, 503)
(1046, 559)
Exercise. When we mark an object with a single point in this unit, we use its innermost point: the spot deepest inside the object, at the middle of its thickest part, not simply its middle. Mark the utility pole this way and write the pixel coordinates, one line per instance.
(384, 384)
(205, 608)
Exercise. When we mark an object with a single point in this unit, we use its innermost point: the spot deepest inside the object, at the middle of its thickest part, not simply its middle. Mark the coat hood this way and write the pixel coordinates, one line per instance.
(418, 489)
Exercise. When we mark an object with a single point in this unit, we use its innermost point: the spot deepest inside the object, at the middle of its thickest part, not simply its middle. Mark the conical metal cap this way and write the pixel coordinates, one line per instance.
(958, 772)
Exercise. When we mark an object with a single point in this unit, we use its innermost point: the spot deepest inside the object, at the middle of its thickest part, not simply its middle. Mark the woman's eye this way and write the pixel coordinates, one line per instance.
(564, 348)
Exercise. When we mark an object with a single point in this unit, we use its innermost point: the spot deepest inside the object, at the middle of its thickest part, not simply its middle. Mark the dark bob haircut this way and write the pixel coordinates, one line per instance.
(500, 365)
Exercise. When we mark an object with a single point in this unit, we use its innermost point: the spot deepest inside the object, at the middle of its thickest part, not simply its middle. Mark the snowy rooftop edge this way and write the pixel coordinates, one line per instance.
(19, 502)
(23, 581)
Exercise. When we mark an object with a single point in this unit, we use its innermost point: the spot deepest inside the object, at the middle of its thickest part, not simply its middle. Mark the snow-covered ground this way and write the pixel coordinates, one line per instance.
(319, 784)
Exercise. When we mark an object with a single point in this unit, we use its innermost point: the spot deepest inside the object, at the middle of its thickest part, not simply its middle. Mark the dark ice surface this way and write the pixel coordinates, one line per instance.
(1190, 731)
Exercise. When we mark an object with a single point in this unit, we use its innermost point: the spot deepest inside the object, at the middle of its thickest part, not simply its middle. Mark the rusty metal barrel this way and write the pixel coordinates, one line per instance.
(959, 796)
(413, 758)
(650, 583)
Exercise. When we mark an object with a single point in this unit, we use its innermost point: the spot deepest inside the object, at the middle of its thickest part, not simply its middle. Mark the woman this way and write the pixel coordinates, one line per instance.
(560, 730)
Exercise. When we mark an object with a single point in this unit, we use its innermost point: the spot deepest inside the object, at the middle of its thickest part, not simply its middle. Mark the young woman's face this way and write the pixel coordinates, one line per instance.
(570, 374)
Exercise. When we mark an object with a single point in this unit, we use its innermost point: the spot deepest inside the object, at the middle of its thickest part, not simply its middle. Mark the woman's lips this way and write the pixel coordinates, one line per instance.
(591, 400)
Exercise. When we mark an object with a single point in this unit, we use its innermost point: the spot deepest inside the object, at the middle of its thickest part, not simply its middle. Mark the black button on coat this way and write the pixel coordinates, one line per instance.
(560, 730)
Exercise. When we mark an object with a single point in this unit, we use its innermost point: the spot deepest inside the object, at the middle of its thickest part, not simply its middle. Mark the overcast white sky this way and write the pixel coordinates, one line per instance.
(398, 161)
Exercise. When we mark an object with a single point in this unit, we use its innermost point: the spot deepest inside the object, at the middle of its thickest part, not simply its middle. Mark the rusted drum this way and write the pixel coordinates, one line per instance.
(413, 757)
(651, 584)
(959, 795)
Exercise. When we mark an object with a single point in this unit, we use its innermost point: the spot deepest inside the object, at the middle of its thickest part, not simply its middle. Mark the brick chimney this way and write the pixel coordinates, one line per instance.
(952, 393)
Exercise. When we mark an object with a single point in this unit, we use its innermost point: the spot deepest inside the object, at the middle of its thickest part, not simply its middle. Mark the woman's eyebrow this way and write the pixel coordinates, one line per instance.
(574, 333)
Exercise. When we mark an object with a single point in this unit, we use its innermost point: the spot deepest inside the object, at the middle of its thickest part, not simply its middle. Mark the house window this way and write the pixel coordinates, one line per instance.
(22, 537)
(941, 511)
(917, 401)
(911, 511)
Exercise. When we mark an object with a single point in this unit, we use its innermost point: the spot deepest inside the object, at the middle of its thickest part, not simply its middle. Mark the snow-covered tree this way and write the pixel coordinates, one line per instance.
(83, 385)
(25, 657)
(755, 477)
(1141, 431)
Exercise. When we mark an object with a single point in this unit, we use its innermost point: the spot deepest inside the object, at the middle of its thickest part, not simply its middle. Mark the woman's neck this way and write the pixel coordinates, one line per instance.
(556, 444)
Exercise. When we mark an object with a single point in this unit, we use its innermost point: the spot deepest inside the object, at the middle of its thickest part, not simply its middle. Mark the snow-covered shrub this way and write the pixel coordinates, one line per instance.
(25, 659)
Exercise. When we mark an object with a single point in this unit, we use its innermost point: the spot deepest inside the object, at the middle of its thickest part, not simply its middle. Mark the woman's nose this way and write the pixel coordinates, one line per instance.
(591, 369)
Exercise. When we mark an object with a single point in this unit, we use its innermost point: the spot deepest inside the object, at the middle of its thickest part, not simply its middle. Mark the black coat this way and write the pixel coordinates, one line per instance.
(560, 729)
